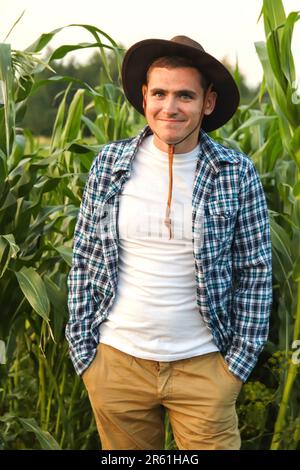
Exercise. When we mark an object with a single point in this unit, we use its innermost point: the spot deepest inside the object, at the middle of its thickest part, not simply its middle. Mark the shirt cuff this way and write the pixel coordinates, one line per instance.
(242, 356)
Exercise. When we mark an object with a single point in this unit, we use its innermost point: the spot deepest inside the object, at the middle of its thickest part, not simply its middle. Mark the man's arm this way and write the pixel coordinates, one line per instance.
(81, 303)
(252, 265)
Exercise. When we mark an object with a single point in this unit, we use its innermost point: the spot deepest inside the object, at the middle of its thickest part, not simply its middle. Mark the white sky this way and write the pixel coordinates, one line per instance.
(223, 27)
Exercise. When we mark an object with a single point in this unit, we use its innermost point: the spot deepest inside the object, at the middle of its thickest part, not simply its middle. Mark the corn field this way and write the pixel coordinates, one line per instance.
(43, 404)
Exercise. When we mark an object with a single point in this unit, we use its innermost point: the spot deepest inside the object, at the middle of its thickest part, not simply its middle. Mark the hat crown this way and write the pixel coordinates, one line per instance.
(186, 41)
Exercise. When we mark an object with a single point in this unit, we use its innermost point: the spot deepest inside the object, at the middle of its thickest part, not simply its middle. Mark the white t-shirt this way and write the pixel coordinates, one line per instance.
(155, 314)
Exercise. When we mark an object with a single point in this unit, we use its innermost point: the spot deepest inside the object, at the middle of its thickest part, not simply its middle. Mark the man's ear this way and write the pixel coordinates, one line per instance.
(210, 103)
(144, 93)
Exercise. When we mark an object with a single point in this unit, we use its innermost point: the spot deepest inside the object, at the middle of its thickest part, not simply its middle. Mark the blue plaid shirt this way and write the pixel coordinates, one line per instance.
(231, 244)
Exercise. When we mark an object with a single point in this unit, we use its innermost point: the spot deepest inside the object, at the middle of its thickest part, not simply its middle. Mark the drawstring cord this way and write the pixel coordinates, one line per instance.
(171, 148)
(167, 221)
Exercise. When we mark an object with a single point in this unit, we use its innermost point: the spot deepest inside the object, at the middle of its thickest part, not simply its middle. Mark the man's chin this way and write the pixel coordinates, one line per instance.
(166, 139)
(171, 139)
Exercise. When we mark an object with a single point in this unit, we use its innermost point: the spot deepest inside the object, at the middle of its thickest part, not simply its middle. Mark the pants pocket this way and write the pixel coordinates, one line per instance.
(88, 371)
(225, 367)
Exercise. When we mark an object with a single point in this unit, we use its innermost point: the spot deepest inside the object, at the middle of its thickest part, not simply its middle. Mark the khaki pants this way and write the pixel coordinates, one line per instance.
(130, 396)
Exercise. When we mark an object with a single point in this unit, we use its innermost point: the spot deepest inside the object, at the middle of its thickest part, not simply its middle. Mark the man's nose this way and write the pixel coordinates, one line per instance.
(170, 106)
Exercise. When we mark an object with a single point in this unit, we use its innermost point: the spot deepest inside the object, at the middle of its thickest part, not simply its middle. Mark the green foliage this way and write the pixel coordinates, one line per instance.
(43, 404)
(40, 192)
(43, 102)
(253, 412)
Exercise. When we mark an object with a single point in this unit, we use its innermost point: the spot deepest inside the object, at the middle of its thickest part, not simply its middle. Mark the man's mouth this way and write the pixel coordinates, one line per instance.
(172, 120)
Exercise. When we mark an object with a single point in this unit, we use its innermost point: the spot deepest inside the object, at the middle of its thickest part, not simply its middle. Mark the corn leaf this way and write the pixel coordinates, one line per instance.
(34, 290)
(6, 97)
(45, 439)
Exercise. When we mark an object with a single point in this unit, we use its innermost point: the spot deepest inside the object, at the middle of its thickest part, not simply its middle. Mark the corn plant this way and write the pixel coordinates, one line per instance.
(43, 404)
(268, 129)
(280, 82)
(40, 192)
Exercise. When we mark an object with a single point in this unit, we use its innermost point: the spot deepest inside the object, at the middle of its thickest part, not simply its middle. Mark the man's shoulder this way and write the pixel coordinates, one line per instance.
(229, 152)
(117, 146)
(111, 152)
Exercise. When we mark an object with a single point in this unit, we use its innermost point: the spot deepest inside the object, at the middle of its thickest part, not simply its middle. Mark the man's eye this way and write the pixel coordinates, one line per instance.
(158, 94)
(186, 97)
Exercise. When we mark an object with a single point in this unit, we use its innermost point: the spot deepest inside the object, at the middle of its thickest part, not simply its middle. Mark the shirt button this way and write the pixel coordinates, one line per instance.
(105, 228)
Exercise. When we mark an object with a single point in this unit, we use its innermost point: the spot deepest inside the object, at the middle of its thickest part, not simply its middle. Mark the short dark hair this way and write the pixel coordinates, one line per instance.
(173, 62)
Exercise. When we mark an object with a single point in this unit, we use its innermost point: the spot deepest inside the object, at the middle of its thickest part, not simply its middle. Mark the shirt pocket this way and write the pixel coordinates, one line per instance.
(221, 218)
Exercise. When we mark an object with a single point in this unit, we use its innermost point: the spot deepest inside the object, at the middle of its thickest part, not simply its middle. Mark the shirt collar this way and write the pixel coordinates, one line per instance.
(124, 159)
(215, 153)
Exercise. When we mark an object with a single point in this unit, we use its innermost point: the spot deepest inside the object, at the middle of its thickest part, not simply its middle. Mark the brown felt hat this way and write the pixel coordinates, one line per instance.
(140, 56)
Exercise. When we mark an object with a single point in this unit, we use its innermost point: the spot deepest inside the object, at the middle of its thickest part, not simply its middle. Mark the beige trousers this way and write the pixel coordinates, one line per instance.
(130, 396)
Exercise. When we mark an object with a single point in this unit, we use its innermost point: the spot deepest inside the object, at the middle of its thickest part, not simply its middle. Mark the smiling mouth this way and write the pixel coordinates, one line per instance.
(171, 120)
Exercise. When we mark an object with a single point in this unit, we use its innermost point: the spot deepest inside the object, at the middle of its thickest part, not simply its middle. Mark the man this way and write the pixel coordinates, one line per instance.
(170, 289)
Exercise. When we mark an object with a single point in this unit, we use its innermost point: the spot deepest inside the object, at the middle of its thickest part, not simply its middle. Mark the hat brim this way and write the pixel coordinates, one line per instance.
(139, 57)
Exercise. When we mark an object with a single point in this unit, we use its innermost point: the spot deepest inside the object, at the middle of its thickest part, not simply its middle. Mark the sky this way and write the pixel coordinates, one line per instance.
(225, 28)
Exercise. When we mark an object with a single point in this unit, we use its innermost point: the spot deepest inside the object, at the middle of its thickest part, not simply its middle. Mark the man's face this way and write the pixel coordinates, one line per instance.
(173, 101)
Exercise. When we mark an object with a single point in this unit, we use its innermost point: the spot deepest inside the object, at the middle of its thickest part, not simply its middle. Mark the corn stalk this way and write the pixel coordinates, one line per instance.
(280, 83)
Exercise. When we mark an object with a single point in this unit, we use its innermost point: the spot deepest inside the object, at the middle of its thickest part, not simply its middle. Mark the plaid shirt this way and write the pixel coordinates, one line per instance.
(231, 244)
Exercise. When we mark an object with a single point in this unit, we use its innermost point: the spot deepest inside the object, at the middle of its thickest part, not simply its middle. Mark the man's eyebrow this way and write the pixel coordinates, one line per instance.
(179, 92)
(157, 90)
(187, 92)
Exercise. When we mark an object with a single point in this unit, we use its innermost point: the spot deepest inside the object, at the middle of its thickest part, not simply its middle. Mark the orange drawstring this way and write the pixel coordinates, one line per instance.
(168, 221)
(171, 148)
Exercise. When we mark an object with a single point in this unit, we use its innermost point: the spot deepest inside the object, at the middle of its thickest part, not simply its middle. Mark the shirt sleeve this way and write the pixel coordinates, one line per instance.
(81, 303)
(252, 268)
